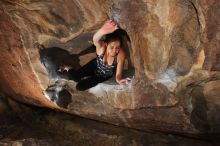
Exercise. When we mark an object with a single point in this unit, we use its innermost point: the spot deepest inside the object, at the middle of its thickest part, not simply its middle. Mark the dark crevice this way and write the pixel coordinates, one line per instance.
(53, 57)
(199, 113)
(197, 13)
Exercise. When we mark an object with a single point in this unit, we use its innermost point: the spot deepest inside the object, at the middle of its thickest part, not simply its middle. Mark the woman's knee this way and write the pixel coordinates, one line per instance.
(86, 84)
(80, 87)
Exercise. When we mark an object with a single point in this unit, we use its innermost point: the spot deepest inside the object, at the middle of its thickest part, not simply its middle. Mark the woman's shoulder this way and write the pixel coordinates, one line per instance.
(121, 55)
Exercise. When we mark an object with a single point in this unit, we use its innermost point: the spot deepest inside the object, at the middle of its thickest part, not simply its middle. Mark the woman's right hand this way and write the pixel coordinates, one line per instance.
(109, 27)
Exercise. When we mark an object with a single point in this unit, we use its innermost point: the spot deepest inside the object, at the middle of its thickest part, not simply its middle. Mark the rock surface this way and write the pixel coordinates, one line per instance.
(53, 128)
(172, 51)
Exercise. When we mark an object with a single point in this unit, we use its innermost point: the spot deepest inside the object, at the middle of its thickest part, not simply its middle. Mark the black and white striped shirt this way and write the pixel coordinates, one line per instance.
(103, 69)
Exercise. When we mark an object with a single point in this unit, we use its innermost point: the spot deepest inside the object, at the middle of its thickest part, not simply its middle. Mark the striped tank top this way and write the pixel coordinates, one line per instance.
(103, 69)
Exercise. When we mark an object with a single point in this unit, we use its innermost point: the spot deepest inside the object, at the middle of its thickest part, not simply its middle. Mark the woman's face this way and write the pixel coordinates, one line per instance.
(113, 48)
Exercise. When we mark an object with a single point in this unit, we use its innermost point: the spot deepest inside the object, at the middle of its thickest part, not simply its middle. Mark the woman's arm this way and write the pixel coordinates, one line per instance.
(97, 42)
(109, 27)
(119, 71)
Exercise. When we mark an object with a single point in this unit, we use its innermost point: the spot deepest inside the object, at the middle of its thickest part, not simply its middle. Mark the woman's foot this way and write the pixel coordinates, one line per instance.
(63, 72)
(63, 69)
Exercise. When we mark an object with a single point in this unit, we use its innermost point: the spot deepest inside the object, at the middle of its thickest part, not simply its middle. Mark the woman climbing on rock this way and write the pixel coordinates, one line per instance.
(110, 60)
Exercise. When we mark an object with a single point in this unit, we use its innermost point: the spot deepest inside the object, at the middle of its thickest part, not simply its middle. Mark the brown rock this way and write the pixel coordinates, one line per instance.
(173, 47)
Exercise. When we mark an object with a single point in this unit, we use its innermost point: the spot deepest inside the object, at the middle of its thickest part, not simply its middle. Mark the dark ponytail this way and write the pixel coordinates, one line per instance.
(114, 36)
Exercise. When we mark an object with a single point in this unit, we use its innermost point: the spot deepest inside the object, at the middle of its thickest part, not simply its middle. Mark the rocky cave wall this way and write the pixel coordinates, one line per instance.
(172, 51)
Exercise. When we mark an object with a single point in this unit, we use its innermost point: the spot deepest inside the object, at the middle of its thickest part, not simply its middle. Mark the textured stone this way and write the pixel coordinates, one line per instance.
(172, 49)
(53, 128)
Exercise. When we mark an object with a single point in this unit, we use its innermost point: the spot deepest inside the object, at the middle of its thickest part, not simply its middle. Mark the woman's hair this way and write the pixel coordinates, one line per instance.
(114, 36)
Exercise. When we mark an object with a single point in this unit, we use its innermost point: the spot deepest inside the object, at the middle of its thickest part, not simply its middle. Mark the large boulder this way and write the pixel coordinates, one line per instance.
(172, 49)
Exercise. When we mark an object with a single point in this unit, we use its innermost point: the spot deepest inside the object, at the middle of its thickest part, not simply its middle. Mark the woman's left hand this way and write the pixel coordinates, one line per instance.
(124, 81)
